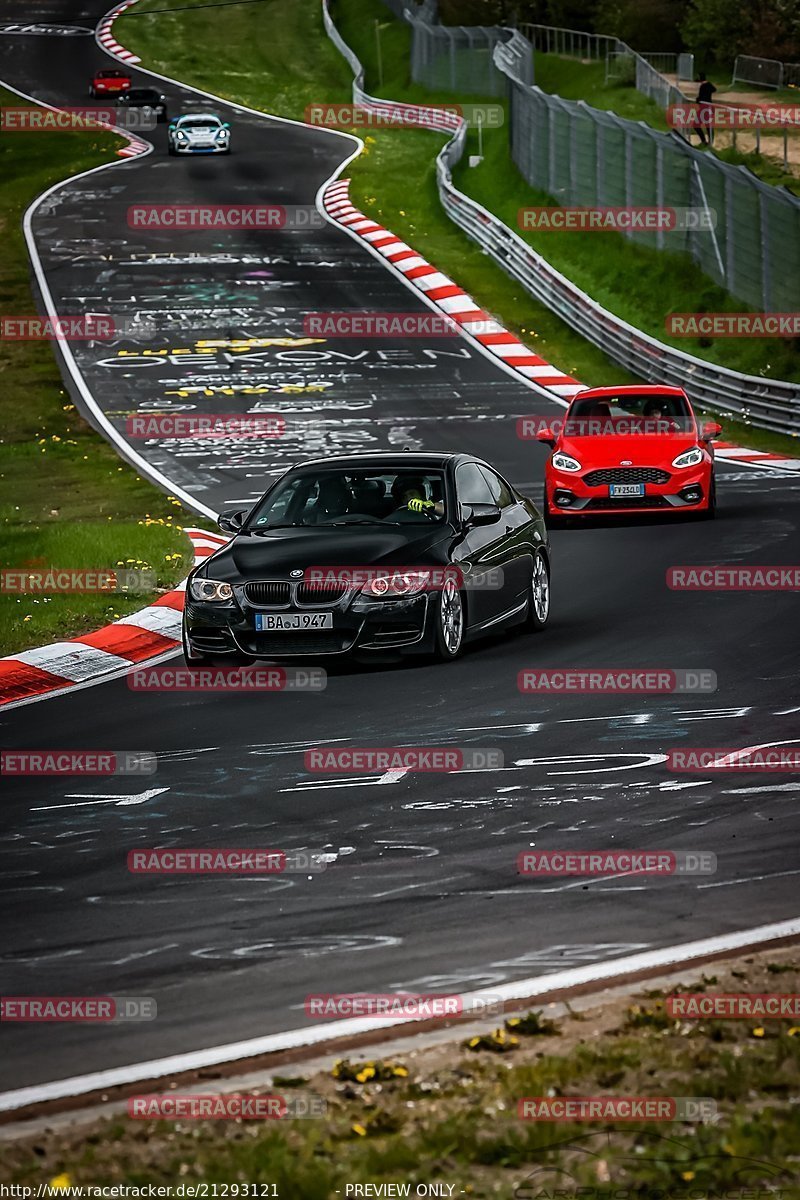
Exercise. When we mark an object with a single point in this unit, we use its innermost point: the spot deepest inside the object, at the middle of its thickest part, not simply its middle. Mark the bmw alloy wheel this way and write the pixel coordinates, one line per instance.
(450, 630)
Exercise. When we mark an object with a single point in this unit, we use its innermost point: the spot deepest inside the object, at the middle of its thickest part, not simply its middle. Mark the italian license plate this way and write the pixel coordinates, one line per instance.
(625, 489)
(294, 622)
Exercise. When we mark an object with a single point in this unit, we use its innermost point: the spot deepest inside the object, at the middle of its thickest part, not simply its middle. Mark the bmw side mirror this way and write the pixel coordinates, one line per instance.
(231, 522)
(711, 429)
(547, 436)
(482, 514)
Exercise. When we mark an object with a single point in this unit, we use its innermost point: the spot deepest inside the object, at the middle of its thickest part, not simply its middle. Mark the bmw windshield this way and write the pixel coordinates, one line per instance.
(354, 497)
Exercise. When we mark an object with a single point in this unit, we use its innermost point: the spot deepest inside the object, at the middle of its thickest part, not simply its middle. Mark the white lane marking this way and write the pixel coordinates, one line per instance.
(87, 798)
(672, 785)
(121, 962)
(736, 755)
(643, 759)
(393, 776)
(747, 879)
(521, 989)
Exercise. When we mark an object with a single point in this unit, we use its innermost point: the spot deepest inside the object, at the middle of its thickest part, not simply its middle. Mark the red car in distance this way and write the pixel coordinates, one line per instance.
(109, 83)
(629, 450)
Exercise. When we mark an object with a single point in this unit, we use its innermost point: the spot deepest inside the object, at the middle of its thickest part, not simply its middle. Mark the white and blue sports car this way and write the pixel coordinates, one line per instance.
(199, 133)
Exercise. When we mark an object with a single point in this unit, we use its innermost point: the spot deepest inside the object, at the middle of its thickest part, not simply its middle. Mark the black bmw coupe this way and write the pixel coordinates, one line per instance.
(371, 554)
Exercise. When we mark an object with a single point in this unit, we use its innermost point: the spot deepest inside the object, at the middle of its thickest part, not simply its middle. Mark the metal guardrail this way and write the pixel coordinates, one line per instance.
(766, 403)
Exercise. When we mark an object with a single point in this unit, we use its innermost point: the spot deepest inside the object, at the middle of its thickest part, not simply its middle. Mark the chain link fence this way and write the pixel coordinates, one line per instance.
(582, 156)
(589, 154)
(456, 58)
(646, 71)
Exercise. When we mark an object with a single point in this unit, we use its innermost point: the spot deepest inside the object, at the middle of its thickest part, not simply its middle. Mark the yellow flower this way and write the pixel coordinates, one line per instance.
(401, 1071)
(687, 1174)
(360, 1130)
(793, 1032)
(61, 1182)
(759, 1032)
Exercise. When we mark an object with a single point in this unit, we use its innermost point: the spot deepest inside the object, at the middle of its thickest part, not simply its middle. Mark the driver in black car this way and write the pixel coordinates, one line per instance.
(409, 495)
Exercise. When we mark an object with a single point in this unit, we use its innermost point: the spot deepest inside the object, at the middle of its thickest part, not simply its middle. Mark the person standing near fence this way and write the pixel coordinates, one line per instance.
(704, 93)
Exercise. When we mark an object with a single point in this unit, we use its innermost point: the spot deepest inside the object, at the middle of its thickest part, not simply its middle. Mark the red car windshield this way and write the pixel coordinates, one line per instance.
(647, 414)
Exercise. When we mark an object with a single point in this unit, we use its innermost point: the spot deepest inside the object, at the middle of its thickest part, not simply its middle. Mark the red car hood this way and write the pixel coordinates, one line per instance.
(643, 450)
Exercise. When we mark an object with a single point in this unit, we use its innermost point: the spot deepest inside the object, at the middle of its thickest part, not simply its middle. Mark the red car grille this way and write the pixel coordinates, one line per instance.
(626, 475)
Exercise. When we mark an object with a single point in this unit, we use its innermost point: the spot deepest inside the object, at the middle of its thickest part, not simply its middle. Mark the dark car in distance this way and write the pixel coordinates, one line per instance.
(381, 554)
(145, 98)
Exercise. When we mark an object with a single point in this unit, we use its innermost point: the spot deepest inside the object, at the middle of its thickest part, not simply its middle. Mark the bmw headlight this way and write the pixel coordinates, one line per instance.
(563, 462)
(212, 590)
(689, 458)
(396, 583)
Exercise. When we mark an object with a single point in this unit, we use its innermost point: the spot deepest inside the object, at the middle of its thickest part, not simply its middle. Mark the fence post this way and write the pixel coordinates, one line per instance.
(730, 274)
(660, 191)
(766, 273)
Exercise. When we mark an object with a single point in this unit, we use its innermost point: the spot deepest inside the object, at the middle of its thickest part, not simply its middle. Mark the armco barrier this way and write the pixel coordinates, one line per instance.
(766, 403)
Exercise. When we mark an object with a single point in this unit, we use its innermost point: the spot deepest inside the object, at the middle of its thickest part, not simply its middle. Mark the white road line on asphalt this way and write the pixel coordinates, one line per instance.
(123, 800)
(668, 957)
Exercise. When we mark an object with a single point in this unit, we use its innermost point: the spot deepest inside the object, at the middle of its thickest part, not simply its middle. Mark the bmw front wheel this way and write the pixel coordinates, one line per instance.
(449, 622)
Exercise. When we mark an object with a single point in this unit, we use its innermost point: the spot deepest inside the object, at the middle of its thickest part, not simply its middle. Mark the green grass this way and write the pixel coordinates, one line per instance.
(450, 1114)
(572, 79)
(395, 180)
(65, 498)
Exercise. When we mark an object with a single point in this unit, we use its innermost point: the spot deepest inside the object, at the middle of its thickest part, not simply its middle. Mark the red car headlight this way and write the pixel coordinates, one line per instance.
(563, 462)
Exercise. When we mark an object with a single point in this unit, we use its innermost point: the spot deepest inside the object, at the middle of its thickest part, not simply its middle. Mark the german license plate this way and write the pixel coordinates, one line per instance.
(293, 622)
(616, 490)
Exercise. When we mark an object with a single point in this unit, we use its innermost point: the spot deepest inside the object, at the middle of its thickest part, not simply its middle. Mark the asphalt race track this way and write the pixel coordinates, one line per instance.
(421, 890)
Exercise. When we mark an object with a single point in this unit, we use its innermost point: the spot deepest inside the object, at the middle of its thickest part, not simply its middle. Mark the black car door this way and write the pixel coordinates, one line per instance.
(516, 523)
(483, 550)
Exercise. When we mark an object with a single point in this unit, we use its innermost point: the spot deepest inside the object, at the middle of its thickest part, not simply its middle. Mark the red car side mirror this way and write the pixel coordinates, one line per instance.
(711, 429)
(547, 436)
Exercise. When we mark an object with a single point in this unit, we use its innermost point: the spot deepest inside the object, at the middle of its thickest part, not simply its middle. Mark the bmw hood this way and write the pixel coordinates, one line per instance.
(275, 553)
